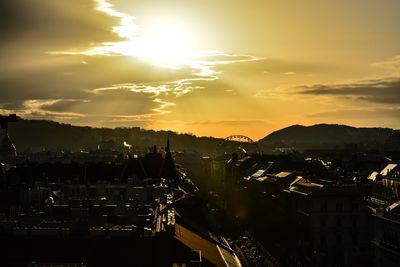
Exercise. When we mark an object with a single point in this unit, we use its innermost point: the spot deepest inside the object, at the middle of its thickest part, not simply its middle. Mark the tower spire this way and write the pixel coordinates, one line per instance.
(168, 169)
(168, 149)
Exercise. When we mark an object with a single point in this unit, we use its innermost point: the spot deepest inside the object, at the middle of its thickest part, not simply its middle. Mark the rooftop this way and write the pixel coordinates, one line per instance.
(388, 169)
(306, 187)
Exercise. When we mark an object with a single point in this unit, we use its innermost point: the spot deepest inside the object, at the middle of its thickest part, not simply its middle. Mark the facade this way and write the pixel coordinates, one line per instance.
(386, 238)
(332, 226)
(132, 213)
(385, 206)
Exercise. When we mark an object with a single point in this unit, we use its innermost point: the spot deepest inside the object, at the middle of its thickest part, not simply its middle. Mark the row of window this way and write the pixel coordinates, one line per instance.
(339, 239)
(338, 207)
(339, 221)
(392, 238)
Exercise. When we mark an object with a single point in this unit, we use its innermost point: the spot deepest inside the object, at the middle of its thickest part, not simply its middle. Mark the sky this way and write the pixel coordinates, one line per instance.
(210, 68)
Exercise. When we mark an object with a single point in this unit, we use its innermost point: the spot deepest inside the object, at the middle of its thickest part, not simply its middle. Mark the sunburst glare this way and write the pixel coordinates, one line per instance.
(167, 45)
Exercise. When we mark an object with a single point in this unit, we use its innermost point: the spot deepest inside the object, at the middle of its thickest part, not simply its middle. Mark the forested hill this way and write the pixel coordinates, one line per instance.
(34, 135)
(329, 136)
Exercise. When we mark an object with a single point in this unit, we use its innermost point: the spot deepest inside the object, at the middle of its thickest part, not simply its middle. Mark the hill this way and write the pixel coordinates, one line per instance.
(325, 136)
(36, 135)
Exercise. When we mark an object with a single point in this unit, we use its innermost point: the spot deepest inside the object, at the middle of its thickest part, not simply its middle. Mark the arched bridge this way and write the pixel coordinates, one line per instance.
(240, 138)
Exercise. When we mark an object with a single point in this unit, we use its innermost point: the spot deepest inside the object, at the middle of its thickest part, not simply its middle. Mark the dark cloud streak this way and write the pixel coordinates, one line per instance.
(362, 114)
(54, 23)
(386, 90)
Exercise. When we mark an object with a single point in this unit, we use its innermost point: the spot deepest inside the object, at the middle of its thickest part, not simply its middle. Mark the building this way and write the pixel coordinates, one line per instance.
(386, 185)
(132, 213)
(386, 238)
(331, 222)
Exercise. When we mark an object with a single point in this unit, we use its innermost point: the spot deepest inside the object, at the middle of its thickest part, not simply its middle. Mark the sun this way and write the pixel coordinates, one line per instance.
(167, 44)
(163, 40)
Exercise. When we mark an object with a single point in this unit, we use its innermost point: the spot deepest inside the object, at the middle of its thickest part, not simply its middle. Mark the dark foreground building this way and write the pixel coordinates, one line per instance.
(139, 212)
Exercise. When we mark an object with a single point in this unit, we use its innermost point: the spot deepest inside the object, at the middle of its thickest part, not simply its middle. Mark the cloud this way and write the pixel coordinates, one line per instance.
(55, 23)
(65, 72)
(104, 106)
(75, 60)
(134, 44)
(36, 108)
(273, 66)
(163, 105)
(113, 103)
(385, 90)
(362, 114)
(242, 123)
(391, 65)
(67, 77)
(11, 105)
(176, 88)
(85, 112)
(126, 28)
(60, 105)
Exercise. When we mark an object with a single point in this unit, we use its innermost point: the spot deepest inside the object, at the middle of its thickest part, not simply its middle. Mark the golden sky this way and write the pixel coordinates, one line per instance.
(213, 68)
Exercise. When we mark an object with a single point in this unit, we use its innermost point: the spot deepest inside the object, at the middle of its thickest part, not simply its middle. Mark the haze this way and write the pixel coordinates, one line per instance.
(211, 68)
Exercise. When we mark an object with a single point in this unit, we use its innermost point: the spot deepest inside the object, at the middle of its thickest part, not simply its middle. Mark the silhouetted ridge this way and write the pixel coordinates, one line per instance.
(326, 136)
(38, 135)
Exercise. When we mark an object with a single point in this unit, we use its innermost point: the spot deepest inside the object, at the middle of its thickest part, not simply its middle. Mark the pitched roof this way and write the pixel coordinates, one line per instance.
(394, 206)
(213, 252)
(388, 169)
(373, 176)
(283, 174)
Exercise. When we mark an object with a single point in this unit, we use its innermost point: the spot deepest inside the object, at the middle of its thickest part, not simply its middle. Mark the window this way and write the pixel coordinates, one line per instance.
(323, 221)
(339, 206)
(391, 238)
(324, 207)
(323, 239)
(354, 238)
(338, 239)
(339, 221)
(355, 221)
(354, 207)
